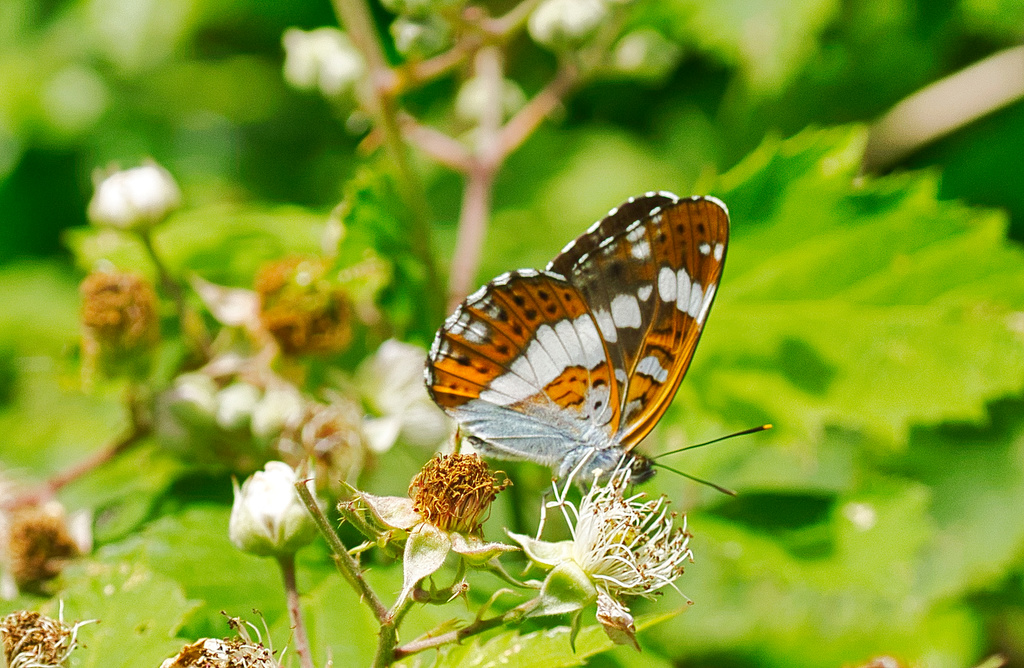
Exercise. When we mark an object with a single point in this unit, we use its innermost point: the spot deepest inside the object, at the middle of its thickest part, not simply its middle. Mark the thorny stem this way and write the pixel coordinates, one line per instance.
(347, 566)
(383, 105)
(287, 563)
(388, 634)
(191, 324)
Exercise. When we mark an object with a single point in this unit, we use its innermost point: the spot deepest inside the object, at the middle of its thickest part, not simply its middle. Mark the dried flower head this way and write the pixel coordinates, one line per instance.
(226, 653)
(119, 310)
(330, 435)
(32, 640)
(302, 309)
(39, 544)
(450, 497)
(454, 492)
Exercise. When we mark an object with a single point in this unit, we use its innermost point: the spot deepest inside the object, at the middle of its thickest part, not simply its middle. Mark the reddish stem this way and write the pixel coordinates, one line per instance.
(287, 563)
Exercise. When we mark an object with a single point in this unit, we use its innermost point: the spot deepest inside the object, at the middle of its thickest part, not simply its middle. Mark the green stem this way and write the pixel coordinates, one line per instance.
(347, 566)
(191, 324)
(383, 106)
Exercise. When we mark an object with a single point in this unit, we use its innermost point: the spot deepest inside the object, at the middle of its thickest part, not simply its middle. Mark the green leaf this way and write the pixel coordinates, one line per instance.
(193, 548)
(139, 613)
(376, 236)
(124, 492)
(540, 649)
(767, 41)
(848, 587)
(870, 307)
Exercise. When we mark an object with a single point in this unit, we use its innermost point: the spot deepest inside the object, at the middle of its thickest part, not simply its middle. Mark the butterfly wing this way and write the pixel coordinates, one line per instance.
(522, 367)
(649, 272)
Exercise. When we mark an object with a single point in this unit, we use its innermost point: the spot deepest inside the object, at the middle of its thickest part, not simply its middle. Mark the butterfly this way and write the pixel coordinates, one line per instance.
(572, 366)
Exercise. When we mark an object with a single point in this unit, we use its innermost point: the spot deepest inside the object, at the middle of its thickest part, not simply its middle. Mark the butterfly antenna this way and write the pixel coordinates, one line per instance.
(723, 490)
(752, 430)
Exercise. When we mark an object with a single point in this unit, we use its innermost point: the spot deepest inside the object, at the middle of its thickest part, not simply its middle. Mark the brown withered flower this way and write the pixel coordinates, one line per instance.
(39, 544)
(303, 310)
(31, 640)
(450, 497)
(226, 653)
(329, 435)
(119, 311)
(454, 492)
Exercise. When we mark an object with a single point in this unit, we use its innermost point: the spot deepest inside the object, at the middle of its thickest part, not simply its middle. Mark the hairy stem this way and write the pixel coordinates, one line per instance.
(347, 566)
(287, 563)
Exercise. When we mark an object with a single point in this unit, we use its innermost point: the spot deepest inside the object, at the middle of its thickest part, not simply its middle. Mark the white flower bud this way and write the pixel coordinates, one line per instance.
(267, 516)
(235, 404)
(471, 102)
(646, 54)
(279, 407)
(136, 198)
(420, 36)
(193, 399)
(563, 24)
(323, 59)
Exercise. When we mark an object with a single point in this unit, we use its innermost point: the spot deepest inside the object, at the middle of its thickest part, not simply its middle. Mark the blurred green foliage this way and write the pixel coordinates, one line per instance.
(877, 322)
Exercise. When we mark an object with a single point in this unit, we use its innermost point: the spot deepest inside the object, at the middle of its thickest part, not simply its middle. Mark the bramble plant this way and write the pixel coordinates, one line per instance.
(241, 441)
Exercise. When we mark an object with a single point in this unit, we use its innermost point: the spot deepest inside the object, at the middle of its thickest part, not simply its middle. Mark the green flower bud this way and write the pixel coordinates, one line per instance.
(267, 517)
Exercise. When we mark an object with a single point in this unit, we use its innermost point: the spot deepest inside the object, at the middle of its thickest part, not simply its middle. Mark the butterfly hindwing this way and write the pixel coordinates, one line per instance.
(522, 367)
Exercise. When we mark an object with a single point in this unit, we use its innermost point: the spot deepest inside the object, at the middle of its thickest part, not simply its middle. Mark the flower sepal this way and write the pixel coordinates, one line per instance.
(542, 553)
(477, 551)
(566, 589)
(616, 620)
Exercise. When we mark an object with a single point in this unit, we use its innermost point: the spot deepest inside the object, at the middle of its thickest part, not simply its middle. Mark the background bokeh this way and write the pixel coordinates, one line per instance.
(877, 320)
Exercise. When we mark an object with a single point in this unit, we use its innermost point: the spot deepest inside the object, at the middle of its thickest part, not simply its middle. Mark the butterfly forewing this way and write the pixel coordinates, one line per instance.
(649, 271)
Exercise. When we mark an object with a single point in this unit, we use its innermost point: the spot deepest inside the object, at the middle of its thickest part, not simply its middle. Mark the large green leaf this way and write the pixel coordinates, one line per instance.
(867, 306)
(138, 614)
(539, 649)
(767, 41)
(225, 244)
